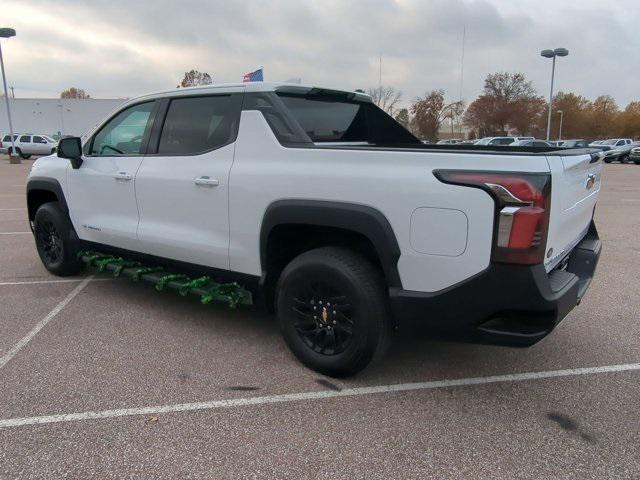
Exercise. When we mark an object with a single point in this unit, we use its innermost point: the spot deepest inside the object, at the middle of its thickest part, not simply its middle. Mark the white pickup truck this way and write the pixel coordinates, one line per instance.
(331, 213)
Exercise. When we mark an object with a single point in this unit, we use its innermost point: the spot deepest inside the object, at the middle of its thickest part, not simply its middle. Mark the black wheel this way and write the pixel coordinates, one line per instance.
(637, 162)
(53, 150)
(624, 158)
(26, 157)
(607, 161)
(56, 240)
(333, 310)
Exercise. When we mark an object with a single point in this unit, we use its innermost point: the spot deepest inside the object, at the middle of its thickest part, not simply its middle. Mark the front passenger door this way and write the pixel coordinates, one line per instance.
(103, 200)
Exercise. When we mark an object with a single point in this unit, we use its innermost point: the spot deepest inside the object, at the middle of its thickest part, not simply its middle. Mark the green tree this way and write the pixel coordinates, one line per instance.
(402, 117)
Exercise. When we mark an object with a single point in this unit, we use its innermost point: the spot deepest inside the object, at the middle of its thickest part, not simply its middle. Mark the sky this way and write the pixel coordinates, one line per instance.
(126, 48)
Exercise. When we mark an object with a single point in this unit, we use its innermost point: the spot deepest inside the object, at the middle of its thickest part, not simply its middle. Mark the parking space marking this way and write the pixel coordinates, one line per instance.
(316, 395)
(11, 209)
(42, 323)
(15, 233)
(40, 282)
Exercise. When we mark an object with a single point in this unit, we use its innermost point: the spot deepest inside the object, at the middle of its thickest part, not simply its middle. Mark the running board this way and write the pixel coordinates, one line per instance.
(209, 291)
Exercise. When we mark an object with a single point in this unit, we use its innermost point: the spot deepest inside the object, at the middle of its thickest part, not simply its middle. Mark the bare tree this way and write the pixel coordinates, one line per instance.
(74, 92)
(385, 97)
(431, 110)
(193, 78)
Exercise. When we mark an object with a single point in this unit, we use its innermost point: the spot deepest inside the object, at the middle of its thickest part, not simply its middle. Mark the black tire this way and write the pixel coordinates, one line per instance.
(624, 158)
(637, 162)
(56, 240)
(26, 157)
(607, 161)
(333, 310)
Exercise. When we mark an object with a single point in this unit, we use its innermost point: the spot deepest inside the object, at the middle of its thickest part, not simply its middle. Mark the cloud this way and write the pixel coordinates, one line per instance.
(127, 48)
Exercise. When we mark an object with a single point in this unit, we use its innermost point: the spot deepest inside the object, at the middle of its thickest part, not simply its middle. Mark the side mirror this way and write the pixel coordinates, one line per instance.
(71, 149)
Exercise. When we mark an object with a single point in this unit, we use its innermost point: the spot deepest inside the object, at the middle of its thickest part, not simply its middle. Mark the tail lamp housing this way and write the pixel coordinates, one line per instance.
(522, 204)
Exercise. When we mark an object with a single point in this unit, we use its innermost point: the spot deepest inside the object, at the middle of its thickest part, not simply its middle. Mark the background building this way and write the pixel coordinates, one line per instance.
(54, 116)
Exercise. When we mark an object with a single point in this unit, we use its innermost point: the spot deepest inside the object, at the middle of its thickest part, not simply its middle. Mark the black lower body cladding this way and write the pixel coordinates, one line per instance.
(508, 305)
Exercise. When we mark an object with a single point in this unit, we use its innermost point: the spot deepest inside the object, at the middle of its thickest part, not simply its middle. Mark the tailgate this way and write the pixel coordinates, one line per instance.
(575, 185)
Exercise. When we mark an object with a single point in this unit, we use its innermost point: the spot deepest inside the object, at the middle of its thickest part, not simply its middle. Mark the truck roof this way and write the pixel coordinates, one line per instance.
(253, 87)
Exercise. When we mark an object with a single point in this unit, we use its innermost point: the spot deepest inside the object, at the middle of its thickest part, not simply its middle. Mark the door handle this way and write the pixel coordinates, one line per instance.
(205, 181)
(122, 176)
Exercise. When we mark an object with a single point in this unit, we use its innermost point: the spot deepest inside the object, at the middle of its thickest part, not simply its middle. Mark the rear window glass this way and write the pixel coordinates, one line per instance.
(326, 119)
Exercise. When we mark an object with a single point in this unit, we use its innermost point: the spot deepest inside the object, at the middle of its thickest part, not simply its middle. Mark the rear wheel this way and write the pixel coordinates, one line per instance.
(624, 158)
(332, 308)
(25, 156)
(56, 240)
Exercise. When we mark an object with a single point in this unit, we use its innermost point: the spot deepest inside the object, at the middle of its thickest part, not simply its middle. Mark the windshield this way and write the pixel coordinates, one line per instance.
(610, 142)
(484, 141)
(49, 139)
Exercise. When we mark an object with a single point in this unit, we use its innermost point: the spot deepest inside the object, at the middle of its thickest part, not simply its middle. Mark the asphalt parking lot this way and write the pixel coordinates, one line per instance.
(106, 378)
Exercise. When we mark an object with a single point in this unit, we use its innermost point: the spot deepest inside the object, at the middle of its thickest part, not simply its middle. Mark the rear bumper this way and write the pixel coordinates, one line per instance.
(505, 304)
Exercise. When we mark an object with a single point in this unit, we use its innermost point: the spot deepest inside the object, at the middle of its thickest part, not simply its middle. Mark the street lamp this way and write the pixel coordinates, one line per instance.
(560, 130)
(558, 52)
(8, 33)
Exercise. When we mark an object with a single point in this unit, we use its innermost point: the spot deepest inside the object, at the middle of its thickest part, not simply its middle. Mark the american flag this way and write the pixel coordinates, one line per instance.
(255, 76)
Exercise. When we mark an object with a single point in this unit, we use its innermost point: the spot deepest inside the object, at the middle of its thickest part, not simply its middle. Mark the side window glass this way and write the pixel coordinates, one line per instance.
(123, 134)
(198, 124)
(25, 139)
(38, 139)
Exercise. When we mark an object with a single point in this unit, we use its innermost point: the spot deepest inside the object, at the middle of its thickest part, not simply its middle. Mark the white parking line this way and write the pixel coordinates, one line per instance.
(39, 282)
(12, 209)
(15, 233)
(42, 323)
(296, 397)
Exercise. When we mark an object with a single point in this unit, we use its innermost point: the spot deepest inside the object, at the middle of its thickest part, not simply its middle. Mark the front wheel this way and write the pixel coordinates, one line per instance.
(333, 310)
(56, 240)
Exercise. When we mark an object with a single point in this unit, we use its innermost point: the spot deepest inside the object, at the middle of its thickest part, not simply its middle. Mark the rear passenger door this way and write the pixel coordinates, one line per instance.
(182, 184)
(25, 145)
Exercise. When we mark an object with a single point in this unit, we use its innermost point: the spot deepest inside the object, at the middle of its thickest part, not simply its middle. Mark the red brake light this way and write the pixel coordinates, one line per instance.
(522, 211)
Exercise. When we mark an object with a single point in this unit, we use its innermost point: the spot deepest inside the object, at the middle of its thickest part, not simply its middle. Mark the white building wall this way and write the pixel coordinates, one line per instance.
(52, 116)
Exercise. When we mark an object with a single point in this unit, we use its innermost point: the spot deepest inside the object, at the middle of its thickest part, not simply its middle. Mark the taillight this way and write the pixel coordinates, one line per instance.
(522, 211)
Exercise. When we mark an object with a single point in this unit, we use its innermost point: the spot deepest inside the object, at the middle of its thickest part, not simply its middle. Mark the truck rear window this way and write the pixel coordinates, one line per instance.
(326, 119)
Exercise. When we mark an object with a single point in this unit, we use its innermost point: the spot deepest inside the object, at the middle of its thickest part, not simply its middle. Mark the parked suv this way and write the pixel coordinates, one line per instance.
(331, 213)
(28, 144)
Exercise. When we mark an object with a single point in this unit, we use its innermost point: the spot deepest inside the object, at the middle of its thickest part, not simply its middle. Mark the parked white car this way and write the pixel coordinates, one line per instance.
(500, 140)
(611, 143)
(330, 212)
(531, 143)
(28, 144)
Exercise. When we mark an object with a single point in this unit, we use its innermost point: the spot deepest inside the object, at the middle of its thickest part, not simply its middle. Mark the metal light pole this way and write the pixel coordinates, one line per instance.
(560, 130)
(558, 52)
(8, 33)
